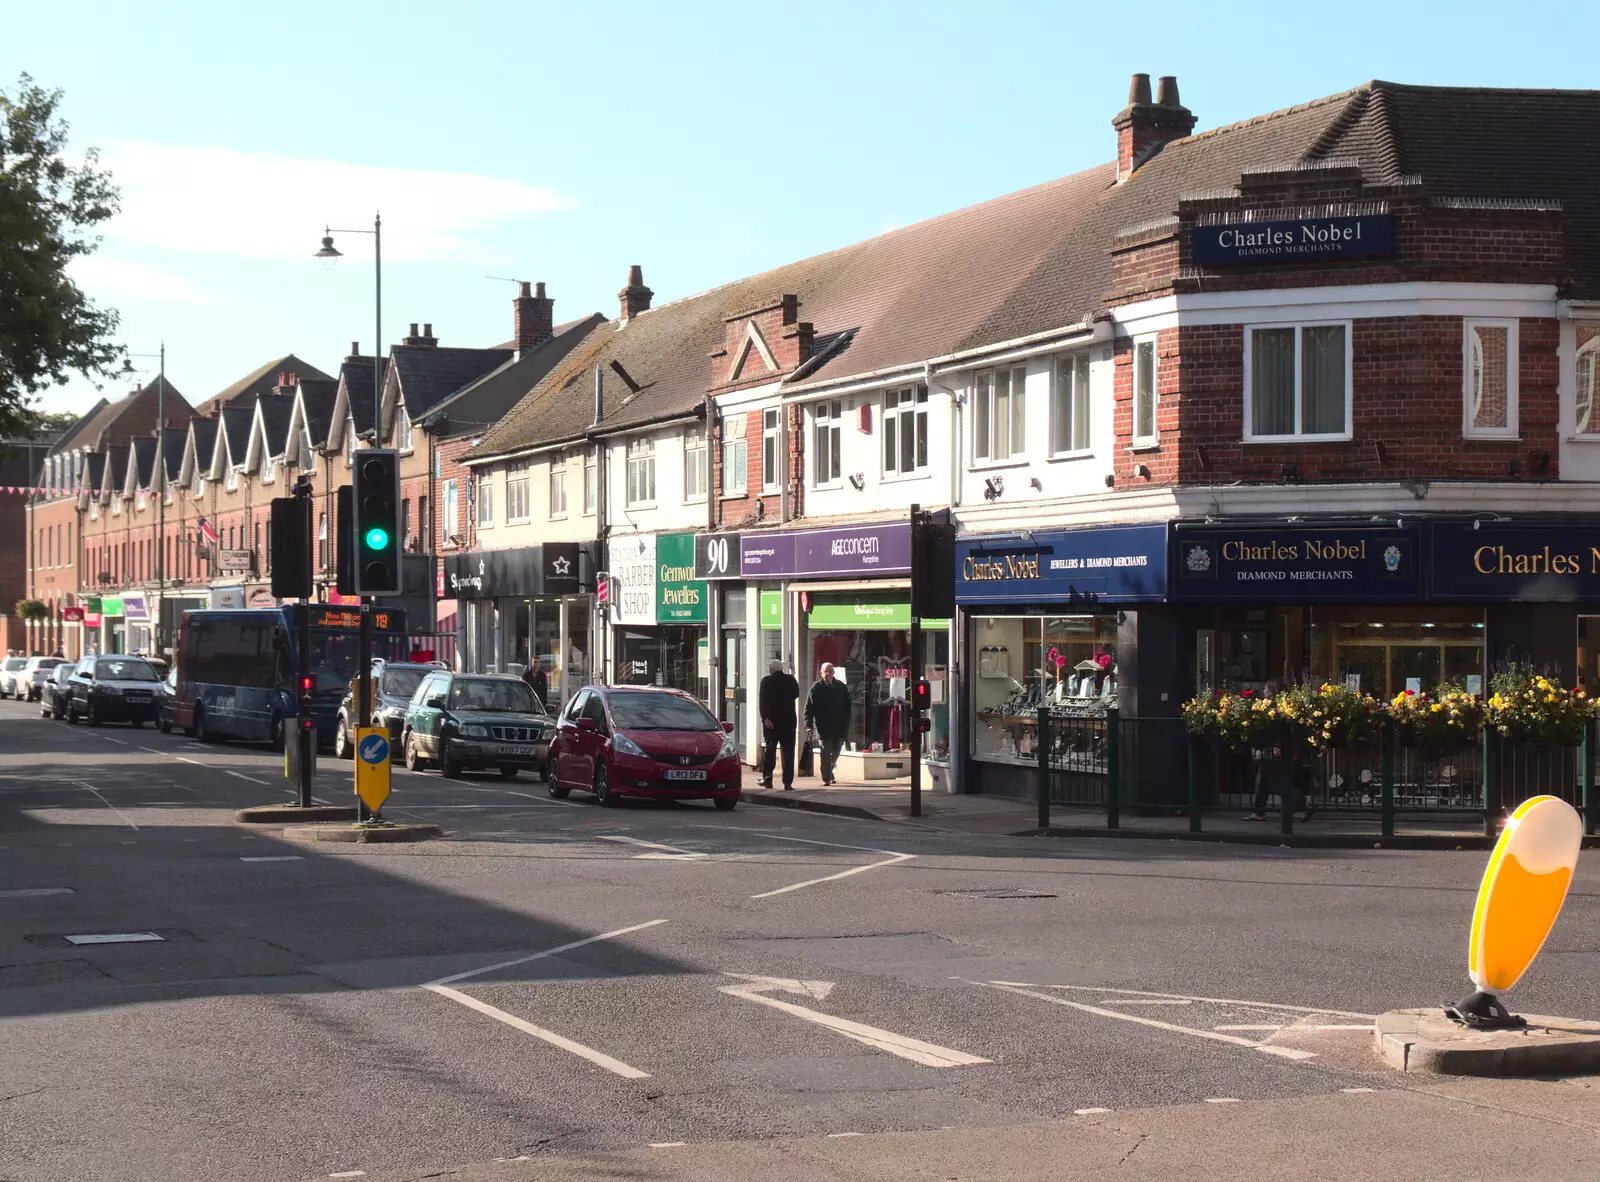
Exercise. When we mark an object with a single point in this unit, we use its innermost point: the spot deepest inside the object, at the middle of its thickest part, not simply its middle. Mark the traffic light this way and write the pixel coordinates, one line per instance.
(922, 694)
(291, 547)
(308, 689)
(375, 547)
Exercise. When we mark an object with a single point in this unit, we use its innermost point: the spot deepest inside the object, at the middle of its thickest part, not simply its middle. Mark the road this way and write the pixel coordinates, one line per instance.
(556, 989)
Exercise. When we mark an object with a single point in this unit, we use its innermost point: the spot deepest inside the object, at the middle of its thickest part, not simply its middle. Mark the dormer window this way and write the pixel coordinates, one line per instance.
(269, 469)
(402, 430)
(232, 482)
(350, 441)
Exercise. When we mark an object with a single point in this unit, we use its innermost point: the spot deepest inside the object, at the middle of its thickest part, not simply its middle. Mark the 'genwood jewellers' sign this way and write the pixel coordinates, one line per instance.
(1298, 241)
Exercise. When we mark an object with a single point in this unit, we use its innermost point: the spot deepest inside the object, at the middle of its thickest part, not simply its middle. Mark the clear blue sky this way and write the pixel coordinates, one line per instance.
(564, 142)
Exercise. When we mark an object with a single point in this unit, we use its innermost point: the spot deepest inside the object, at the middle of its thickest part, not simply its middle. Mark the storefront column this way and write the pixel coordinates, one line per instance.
(1544, 634)
(1150, 661)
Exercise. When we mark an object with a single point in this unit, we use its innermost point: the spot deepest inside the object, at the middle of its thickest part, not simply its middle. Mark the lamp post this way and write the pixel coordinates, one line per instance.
(159, 481)
(330, 255)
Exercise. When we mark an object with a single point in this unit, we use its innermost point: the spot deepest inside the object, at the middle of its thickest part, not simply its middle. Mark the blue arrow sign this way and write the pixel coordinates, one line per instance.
(374, 749)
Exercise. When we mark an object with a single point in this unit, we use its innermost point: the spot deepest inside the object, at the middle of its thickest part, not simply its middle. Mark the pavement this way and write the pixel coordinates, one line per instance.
(668, 991)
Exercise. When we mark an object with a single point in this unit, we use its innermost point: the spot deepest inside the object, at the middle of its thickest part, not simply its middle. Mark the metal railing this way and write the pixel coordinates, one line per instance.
(1124, 766)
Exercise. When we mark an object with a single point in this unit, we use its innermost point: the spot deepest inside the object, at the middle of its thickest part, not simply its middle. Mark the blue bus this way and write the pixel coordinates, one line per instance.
(236, 669)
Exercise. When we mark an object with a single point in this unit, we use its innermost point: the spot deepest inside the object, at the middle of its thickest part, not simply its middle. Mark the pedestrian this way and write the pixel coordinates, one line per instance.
(776, 703)
(534, 675)
(828, 710)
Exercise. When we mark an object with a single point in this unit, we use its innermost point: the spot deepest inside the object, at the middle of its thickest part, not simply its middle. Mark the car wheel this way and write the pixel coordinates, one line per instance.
(508, 773)
(448, 767)
(136, 723)
(414, 760)
(343, 748)
(547, 773)
(165, 726)
(275, 732)
(726, 803)
(94, 714)
(602, 787)
(200, 730)
(57, 710)
(559, 791)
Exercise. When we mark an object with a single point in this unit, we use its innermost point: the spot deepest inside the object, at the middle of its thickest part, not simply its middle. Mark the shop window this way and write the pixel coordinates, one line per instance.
(694, 466)
(641, 471)
(905, 431)
(517, 493)
(874, 662)
(1024, 662)
(483, 484)
(1144, 392)
(1489, 367)
(1588, 379)
(827, 418)
(1297, 383)
(735, 457)
(999, 414)
(1069, 405)
(1390, 651)
(771, 450)
(558, 487)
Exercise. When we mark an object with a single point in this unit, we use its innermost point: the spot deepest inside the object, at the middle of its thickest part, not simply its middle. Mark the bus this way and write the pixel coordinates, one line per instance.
(236, 669)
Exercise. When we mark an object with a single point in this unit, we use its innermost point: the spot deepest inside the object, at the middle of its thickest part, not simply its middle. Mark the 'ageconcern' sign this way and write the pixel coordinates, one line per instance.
(1304, 240)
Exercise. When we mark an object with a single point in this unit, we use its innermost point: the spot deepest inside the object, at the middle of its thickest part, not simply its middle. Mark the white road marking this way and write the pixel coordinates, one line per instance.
(835, 1135)
(1222, 1100)
(349, 1174)
(1225, 1001)
(1231, 1040)
(893, 858)
(664, 852)
(109, 805)
(926, 1053)
(811, 882)
(1150, 1001)
(275, 858)
(1357, 1091)
(117, 938)
(35, 892)
(1252, 1026)
(1088, 1111)
(242, 776)
(506, 964)
(109, 739)
(598, 1058)
(667, 1144)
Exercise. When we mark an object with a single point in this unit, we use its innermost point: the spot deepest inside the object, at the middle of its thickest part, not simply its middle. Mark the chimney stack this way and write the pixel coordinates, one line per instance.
(1144, 126)
(534, 319)
(422, 340)
(355, 350)
(599, 395)
(635, 297)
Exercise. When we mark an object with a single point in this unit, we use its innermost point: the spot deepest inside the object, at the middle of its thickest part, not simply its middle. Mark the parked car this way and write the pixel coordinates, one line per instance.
(468, 722)
(9, 669)
(620, 741)
(54, 691)
(394, 684)
(113, 689)
(167, 702)
(34, 673)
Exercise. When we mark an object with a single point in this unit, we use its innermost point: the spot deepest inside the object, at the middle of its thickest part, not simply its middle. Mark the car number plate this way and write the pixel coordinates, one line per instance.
(686, 773)
(529, 752)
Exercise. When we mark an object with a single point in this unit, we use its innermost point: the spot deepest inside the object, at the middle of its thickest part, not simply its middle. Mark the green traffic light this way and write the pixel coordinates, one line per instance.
(377, 538)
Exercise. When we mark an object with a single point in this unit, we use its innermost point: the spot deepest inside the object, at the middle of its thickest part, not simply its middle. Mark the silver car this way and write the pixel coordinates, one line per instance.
(10, 668)
(34, 674)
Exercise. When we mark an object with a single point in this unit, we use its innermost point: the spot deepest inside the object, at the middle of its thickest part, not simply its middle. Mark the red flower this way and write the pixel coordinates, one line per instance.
(1247, 693)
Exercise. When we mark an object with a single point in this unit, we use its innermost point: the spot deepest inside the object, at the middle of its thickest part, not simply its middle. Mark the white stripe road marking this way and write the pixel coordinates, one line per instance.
(666, 852)
(1222, 1100)
(1088, 1111)
(117, 938)
(109, 805)
(667, 1144)
(810, 882)
(1149, 1001)
(557, 951)
(1250, 1026)
(1357, 1091)
(598, 1058)
(275, 858)
(1231, 1040)
(35, 892)
(1109, 990)
(109, 739)
(242, 776)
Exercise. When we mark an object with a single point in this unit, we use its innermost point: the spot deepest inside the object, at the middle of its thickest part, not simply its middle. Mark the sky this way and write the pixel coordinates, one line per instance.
(534, 141)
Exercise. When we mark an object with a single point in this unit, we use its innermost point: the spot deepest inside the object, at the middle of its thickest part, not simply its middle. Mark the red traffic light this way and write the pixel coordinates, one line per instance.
(922, 694)
(308, 683)
(924, 725)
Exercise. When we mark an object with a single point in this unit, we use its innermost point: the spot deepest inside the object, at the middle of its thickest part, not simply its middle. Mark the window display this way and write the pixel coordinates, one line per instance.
(1023, 662)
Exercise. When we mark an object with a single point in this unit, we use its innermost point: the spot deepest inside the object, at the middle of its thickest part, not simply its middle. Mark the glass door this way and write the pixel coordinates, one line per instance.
(733, 676)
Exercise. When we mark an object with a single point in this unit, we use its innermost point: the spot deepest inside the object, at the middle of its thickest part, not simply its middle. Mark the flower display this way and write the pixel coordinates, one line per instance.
(1529, 708)
(1234, 720)
(1329, 714)
(1450, 720)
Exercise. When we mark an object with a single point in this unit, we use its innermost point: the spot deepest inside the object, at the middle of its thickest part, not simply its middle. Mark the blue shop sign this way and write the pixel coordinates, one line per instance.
(1296, 564)
(1531, 562)
(1115, 564)
(1303, 240)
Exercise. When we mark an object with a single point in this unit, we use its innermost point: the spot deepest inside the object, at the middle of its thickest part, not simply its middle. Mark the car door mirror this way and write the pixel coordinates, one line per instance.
(727, 728)
(88, 675)
(435, 703)
(588, 724)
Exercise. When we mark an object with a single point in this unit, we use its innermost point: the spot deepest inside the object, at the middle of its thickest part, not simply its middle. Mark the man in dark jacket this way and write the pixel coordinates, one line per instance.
(828, 710)
(776, 703)
(537, 681)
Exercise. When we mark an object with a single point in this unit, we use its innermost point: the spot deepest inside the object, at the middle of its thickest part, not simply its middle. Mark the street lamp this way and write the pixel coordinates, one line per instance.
(159, 481)
(330, 255)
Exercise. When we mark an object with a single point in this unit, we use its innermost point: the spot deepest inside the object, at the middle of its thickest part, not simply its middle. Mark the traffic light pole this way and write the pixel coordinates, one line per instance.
(364, 691)
(305, 731)
(915, 679)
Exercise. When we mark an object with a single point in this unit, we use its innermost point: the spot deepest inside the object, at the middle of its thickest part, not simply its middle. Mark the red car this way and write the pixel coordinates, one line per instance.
(619, 741)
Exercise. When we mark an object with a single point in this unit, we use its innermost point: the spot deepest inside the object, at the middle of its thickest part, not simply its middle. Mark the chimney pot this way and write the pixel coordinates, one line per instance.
(355, 348)
(532, 319)
(1167, 91)
(539, 290)
(1139, 90)
(635, 298)
(427, 330)
(525, 292)
(283, 378)
(414, 324)
(1144, 128)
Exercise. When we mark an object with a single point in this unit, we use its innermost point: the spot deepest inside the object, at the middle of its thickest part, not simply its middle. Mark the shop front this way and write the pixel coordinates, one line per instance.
(660, 614)
(138, 624)
(530, 602)
(1072, 620)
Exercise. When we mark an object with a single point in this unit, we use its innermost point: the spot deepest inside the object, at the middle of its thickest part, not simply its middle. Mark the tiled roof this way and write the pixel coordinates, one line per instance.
(257, 382)
(317, 395)
(236, 420)
(355, 375)
(276, 411)
(486, 400)
(1039, 259)
(119, 421)
(144, 452)
(172, 444)
(72, 436)
(97, 469)
(205, 441)
(428, 375)
(117, 461)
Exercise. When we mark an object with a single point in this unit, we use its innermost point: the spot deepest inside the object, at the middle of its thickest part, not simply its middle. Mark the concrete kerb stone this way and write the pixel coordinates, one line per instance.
(293, 814)
(364, 834)
(1297, 840)
(1425, 1041)
(813, 806)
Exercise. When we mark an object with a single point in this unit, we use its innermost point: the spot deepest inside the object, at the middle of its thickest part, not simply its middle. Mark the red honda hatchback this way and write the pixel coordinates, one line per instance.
(618, 741)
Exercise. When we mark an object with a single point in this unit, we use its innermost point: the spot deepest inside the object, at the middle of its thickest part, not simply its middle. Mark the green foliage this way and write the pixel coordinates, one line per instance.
(32, 609)
(49, 208)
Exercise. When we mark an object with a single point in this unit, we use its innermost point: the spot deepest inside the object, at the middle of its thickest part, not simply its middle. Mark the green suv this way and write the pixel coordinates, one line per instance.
(473, 722)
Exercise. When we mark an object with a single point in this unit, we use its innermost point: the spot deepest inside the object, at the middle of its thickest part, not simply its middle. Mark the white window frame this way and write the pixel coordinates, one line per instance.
(558, 488)
(350, 441)
(772, 449)
(735, 455)
(1343, 436)
(591, 473)
(231, 481)
(1078, 403)
(696, 472)
(269, 470)
(1152, 437)
(827, 421)
(450, 519)
(1469, 340)
(517, 493)
(402, 429)
(483, 497)
(986, 389)
(640, 457)
(903, 407)
(1588, 352)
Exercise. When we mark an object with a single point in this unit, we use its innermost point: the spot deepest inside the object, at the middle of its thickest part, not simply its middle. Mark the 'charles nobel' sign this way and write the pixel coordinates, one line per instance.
(1296, 565)
(1529, 561)
(1303, 240)
(1113, 564)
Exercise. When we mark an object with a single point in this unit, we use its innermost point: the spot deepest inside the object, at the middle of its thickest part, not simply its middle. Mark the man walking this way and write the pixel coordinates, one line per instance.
(776, 704)
(536, 679)
(828, 710)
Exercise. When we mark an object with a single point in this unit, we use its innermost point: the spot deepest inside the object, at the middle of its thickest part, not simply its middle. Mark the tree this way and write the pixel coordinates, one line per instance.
(41, 424)
(48, 210)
